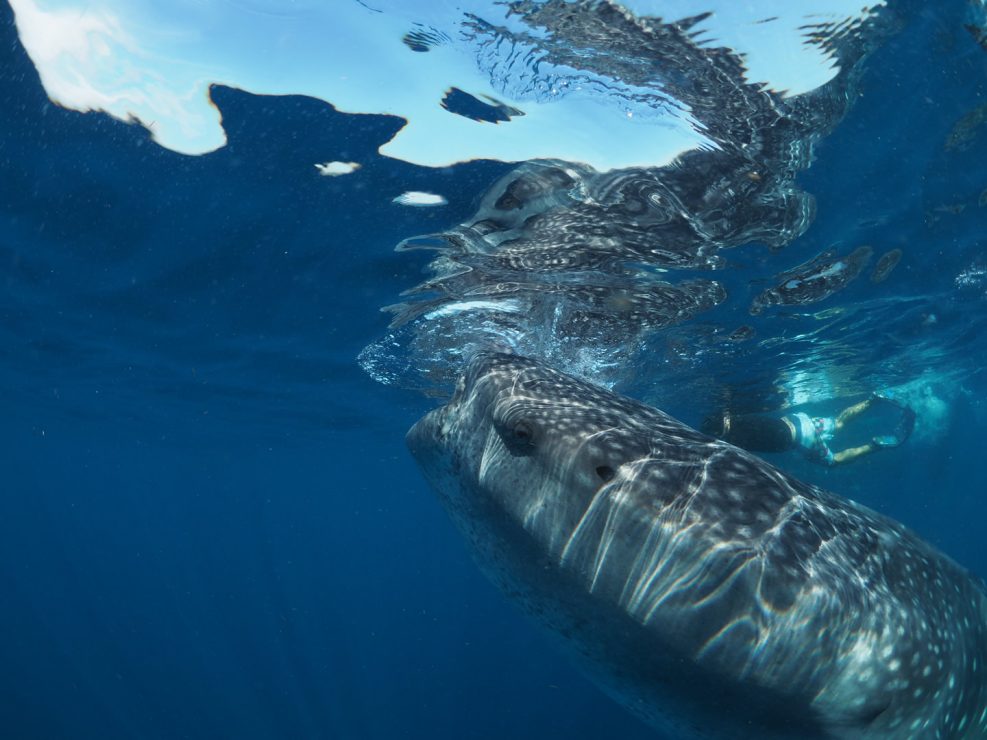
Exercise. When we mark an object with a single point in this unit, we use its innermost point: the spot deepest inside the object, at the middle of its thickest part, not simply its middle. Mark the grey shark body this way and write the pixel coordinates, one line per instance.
(712, 594)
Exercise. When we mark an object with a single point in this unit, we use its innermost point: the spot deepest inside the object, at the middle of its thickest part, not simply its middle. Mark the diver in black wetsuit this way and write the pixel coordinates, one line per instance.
(811, 435)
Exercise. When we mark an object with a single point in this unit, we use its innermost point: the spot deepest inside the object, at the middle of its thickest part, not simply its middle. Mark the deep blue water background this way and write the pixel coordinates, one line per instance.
(209, 524)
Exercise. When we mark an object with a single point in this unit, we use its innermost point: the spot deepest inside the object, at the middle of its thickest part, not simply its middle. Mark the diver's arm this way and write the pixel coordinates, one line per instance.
(851, 411)
(852, 453)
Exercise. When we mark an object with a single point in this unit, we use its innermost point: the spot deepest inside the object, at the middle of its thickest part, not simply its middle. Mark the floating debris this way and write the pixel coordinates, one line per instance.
(741, 334)
(934, 215)
(967, 129)
(885, 265)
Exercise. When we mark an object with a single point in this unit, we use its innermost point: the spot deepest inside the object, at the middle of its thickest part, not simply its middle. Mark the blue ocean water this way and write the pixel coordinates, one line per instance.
(209, 523)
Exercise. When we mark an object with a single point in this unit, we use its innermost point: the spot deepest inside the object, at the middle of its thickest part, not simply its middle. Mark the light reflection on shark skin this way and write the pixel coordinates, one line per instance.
(712, 594)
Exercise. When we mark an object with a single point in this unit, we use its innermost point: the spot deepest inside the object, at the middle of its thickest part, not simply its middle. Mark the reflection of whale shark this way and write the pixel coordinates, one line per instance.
(709, 592)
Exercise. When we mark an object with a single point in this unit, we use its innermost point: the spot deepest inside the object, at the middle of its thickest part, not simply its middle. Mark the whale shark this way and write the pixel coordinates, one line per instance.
(710, 593)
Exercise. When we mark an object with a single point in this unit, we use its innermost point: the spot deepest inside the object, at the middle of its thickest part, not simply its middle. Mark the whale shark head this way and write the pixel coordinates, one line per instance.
(709, 592)
(538, 444)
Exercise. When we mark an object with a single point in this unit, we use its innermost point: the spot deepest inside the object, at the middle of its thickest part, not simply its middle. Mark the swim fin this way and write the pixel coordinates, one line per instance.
(905, 425)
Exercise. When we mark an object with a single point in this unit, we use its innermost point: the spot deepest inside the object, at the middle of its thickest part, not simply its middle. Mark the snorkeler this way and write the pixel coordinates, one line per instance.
(811, 435)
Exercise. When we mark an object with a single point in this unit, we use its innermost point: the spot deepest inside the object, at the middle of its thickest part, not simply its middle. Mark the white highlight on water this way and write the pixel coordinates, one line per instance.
(335, 169)
(420, 199)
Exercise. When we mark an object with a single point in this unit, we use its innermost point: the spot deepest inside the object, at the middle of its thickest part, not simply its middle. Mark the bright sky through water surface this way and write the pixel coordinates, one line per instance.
(154, 62)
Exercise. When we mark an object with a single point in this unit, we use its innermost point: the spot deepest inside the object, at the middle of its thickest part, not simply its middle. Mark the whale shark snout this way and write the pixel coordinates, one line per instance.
(709, 592)
(445, 429)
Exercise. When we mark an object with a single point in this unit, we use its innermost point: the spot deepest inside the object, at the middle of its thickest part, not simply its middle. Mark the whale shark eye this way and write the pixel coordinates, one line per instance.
(605, 473)
(519, 436)
(522, 432)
